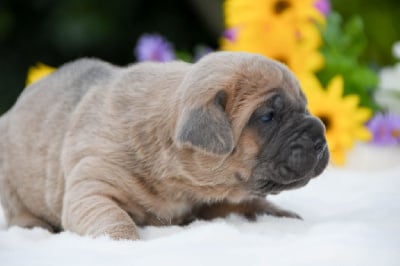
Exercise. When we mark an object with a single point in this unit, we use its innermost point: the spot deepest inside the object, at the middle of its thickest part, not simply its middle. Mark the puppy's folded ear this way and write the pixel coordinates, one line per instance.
(207, 127)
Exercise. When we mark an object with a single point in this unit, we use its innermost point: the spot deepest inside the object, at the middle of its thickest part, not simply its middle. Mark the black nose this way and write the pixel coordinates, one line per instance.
(316, 130)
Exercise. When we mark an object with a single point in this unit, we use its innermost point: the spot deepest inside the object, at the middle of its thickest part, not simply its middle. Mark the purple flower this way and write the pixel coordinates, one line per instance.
(153, 47)
(385, 129)
(230, 34)
(324, 6)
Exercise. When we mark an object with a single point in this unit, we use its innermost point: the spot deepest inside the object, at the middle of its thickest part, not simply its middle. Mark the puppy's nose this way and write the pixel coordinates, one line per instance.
(316, 131)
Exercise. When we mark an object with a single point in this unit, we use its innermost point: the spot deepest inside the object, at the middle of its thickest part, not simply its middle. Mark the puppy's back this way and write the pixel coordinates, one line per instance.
(86, 107)
(35, 126)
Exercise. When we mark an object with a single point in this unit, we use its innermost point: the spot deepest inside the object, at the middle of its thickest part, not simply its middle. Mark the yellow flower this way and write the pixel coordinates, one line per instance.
(270, 11)
(37, 72)
(343, 118)
(297, 47)
(282, 30)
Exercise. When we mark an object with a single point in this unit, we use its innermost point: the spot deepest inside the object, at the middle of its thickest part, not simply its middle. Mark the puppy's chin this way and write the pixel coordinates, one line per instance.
(287, 177)
(323, 160)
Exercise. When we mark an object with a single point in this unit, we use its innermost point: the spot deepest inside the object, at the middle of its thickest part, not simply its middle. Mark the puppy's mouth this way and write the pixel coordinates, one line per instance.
(288, 177)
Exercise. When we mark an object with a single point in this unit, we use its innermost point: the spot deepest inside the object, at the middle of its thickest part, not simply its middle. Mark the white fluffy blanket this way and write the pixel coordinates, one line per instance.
(351, 217)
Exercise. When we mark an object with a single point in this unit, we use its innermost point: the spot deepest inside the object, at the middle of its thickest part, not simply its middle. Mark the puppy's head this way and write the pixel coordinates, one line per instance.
(243, 121)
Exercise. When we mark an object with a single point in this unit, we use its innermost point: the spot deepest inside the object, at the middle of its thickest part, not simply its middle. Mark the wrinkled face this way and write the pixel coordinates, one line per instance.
(244, 124)
(292, 145)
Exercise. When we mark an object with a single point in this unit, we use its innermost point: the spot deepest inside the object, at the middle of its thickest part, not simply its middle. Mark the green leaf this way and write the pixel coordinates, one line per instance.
(364, 77)
(342, 49)
(354, 29)
(184, 56)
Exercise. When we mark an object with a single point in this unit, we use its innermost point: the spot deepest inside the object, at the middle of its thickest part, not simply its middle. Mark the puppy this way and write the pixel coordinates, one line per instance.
(98, 149)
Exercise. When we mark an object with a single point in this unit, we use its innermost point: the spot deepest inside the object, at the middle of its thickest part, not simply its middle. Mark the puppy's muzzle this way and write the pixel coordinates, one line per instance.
(305, 152)
(302, 156)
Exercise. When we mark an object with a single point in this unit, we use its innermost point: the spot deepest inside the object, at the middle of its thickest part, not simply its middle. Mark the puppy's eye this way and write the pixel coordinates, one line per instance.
(267, 117)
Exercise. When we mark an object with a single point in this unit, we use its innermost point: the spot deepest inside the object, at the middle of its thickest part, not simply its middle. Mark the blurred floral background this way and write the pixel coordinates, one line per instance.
(346, 54)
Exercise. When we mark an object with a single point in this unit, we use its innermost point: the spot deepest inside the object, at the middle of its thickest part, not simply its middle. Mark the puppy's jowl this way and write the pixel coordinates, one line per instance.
(98, 149)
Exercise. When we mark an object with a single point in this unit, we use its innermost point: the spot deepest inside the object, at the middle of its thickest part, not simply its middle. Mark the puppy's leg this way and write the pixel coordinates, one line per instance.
(18, 215)
(15, 211)
(249, 209)
(90, 202)
(28, 220)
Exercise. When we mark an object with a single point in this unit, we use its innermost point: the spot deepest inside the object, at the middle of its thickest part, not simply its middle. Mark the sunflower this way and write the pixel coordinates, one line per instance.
(37, 72)
(343, 118)
(297, 47)
(282, 30)
(270, 11)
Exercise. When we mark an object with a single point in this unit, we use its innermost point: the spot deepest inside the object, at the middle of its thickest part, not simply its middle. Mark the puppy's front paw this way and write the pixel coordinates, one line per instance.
(266, 207)
(90, 205)
(249, 209)
(283, 213)
(122, 232)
